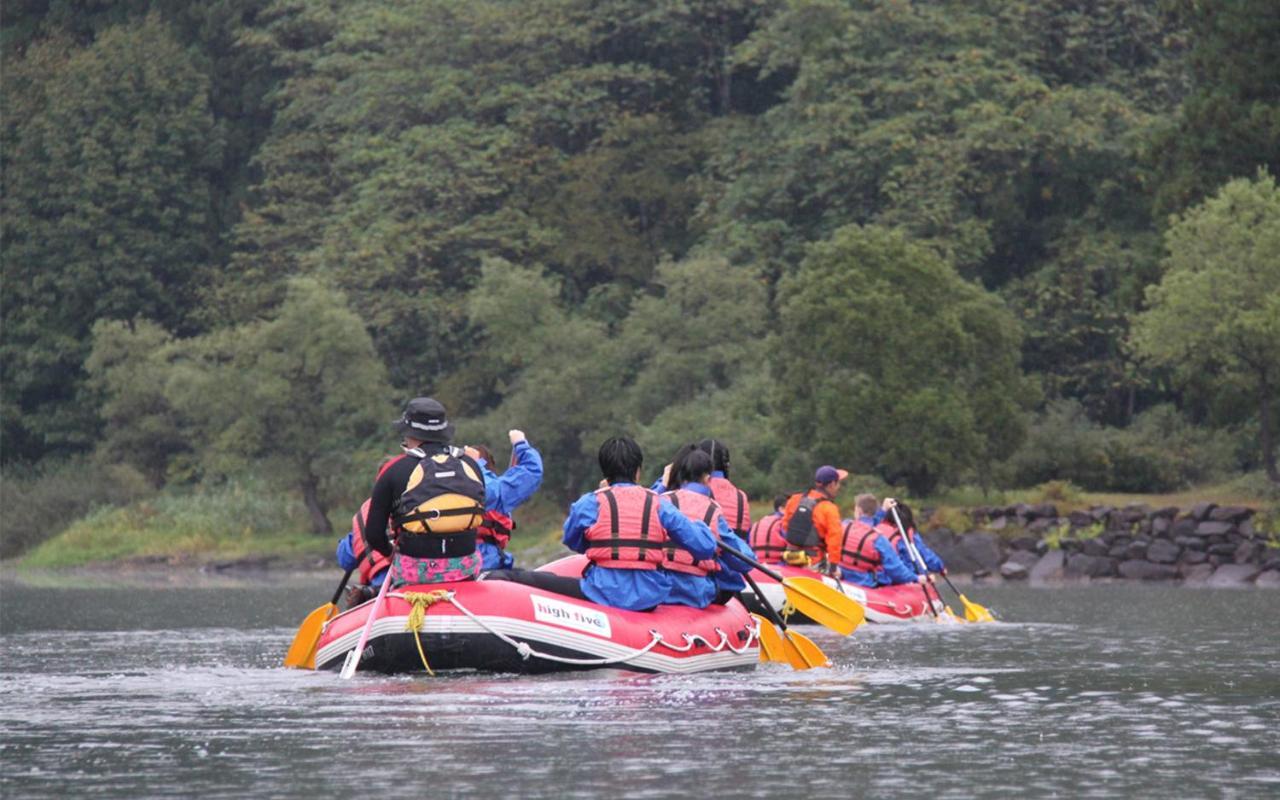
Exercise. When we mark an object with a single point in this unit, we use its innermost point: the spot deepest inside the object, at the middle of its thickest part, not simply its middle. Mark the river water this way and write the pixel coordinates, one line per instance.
(1098, 691)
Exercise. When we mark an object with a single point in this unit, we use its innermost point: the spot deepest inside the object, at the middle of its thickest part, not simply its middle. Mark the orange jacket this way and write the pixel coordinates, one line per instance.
(826, 521)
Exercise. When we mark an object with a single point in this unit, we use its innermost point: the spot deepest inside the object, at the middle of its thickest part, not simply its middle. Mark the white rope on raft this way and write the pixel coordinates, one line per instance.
(691, 641)
(526, 650)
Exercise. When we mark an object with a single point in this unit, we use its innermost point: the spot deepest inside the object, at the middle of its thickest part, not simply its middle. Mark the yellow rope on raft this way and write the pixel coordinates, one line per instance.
(788, 608)
(418, 617)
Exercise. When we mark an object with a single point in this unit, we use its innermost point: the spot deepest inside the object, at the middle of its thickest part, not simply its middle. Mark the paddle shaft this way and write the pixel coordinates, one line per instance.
(353, 658)
(952, 585)
(920, 566)
(777, 576)
(770, 611)
(341, 585)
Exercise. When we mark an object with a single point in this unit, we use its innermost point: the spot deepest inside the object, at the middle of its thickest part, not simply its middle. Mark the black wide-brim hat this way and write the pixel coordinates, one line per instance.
(425, 419)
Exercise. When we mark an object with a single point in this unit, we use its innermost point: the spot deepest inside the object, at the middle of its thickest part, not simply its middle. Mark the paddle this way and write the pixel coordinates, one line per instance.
(353, 658)
(920, 567)
(796, 649)
(771, 645)
(813, 598)
(972, 611)
(302, 653)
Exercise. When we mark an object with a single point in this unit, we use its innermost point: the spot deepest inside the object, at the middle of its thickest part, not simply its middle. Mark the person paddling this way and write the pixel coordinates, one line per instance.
(733, 501)
(699, 583)
(932, 561)
(354, 552)
(425, 507)
(863, 553)
(811, 520)
(766, 536)
(624, 529)
(503, 494)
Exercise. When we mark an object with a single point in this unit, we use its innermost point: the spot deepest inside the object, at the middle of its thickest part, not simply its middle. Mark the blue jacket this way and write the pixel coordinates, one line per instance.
(931, 559)
(347, 557)
(635, 589)
(892, 568)
(505, 493)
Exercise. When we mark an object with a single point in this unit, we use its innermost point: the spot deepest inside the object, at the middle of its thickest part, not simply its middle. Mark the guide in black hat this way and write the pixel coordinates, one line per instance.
(430, 499)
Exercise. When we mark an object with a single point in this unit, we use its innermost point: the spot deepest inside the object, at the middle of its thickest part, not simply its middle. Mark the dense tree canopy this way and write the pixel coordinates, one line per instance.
(108, 162)
(888, 234)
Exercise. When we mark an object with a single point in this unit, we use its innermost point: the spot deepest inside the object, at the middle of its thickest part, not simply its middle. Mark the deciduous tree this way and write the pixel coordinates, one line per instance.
(1216, 311)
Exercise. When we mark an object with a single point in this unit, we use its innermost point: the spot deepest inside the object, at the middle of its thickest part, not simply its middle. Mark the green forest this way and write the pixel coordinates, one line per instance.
(941, 243)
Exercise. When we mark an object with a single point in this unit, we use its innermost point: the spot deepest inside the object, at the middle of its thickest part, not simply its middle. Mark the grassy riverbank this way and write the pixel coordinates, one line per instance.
(236, 522)
(249, 522)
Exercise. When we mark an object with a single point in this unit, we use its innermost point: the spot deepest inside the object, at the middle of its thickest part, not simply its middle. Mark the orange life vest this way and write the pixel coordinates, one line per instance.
(766, 538)
(699, 508)
(798, 528)
(858, 546)
(733, 504)
(626, 533)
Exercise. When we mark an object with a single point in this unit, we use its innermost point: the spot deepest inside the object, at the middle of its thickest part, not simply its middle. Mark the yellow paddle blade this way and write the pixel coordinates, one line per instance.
(810, 654)
(771, 647)
(824, 605)
(302, 653)
(952, 616)
(974, 612)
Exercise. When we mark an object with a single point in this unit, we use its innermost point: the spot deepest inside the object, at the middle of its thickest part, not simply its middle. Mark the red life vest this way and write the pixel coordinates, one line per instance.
(371, 562)
(858, 546)
(733, 504)
(626, 533)
(495, 528)
(699, 508)
(767, 539)
(896, 535)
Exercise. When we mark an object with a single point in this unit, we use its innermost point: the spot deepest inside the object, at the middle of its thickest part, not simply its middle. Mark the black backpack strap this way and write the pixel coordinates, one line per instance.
(614, 542)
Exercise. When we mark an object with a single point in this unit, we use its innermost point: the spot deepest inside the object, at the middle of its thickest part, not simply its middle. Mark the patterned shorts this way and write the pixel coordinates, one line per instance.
(407, 570)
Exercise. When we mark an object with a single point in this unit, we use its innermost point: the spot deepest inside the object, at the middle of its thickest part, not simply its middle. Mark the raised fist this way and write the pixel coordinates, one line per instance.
(515, 436)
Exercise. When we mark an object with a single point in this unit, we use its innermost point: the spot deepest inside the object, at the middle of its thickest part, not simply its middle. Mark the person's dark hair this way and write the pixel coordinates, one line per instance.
(719, 454)
(486, 455)
(780, 501)
(690, 464)
(620, 459)
(904, 514)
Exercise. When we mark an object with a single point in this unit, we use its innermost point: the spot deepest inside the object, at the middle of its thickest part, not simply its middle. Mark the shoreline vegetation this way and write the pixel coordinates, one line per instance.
(247, 530)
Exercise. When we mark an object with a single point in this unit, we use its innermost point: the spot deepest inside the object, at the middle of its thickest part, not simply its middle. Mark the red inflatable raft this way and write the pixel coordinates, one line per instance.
(904, 603)
(499, 626)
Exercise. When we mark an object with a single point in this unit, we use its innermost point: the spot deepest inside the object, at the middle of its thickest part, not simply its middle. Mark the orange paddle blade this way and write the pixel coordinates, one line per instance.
(810, 654)
(302, 653)
(771, 645)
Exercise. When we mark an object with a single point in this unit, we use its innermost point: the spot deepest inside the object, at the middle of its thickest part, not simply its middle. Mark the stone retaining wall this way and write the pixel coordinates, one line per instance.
(1207, 545)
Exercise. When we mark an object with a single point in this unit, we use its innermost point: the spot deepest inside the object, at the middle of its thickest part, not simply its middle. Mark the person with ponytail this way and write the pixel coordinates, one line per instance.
(733, 501)
(699, 583)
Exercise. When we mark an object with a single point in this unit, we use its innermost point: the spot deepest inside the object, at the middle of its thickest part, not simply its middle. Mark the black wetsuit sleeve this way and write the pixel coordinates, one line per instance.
(382, 500)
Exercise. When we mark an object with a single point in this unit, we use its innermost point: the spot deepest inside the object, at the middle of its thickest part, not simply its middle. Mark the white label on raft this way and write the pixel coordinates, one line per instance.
(570, 616)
